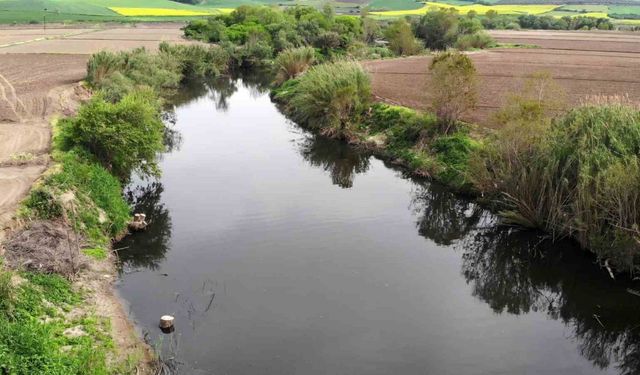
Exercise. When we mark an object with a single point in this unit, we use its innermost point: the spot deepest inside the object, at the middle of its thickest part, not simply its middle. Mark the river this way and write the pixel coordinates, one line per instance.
(280, 252)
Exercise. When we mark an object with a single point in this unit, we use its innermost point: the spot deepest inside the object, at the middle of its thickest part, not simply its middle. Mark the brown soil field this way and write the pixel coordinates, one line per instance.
(591, 67)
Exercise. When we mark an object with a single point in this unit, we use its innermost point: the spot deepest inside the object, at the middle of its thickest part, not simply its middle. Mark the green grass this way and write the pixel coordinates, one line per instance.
(625, 9)
(98, 253)
(33, 317)
(395, 5)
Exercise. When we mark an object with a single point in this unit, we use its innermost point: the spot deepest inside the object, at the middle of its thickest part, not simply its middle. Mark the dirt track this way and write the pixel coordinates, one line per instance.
(584, 63)
(39, 72)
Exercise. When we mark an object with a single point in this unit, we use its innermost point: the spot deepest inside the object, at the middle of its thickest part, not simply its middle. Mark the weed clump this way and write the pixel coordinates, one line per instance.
(293, 62)
(330, 97)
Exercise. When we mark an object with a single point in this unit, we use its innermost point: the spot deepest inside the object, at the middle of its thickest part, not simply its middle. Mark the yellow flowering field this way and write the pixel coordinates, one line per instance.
(165, 12)
(478, 8)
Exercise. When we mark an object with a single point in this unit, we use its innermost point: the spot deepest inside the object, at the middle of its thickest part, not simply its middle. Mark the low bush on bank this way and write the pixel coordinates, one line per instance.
(329, 97)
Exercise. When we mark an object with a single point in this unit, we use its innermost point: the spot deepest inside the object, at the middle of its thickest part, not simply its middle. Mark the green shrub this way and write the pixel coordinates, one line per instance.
(438, 28)
(293, 62)
(330, 97)
(401, 39)
(478, 40)
(454, 88)
(124, 137)
(362, 51)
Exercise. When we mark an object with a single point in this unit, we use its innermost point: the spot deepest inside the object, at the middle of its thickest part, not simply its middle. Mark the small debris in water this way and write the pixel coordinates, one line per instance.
(139, 223)
(166, 323)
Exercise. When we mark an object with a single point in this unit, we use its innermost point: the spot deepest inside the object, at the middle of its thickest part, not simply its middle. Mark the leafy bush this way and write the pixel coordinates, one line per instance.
(454, 87)
(293, 62)
(362, 51)
(401, 39)
(330, 97)
(124, 136)
(438, 28)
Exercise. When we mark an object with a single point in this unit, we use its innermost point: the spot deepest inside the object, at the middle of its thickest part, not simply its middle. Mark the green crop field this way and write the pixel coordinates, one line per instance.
(33, 11)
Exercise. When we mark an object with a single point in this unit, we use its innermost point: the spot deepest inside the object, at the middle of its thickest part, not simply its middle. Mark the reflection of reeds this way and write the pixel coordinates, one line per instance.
(167, 362)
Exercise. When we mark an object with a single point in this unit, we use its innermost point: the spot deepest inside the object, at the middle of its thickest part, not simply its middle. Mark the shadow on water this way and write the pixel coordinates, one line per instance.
(513, 271)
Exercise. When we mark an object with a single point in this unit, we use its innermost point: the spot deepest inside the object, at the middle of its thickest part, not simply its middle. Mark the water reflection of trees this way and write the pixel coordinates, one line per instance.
(342, 161)
(442, 217)
(517, 272)
(147, 249)
(219, 90)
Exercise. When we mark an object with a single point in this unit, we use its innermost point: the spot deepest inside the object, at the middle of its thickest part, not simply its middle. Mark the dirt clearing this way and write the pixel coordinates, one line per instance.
(592, 70)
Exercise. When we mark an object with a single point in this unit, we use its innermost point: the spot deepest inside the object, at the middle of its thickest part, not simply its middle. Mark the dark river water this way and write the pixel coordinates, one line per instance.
(280, 253)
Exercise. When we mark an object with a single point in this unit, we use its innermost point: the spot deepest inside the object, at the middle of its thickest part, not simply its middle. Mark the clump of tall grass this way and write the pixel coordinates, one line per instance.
(574, 176)
(118, 73)
(197, 60)
(293, 62)
(330, 97)
(103, 64)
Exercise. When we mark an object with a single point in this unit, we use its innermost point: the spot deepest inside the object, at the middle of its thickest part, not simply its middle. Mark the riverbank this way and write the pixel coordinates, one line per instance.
(547, 166)
(74, 323)
(59, 307)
